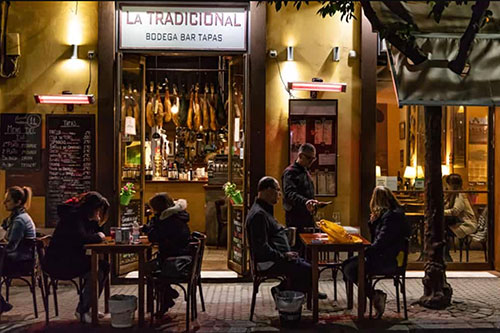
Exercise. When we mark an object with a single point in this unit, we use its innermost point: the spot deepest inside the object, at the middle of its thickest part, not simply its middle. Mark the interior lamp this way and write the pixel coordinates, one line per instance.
(420, 172)
(445, 170)
(410, 172)
(378, 171)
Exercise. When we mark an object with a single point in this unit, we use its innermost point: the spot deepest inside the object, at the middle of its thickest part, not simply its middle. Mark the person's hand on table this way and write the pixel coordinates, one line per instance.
(291, 255)
(311, 205)
(102, 235)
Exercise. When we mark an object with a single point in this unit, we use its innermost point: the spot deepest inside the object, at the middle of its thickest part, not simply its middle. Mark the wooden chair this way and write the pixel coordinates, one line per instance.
(203, 240)
(51, 281)
(399, 278)
(32, 273)
(159, 283)
(221, 222)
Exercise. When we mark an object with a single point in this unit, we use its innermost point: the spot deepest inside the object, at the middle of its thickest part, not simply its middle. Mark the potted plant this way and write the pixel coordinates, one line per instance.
(232, 193)
(126, 193)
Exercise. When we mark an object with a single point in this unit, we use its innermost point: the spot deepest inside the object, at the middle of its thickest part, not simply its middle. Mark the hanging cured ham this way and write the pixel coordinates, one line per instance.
(167, 105)
(175, 106)
(183, 107)
(204, 109)
(197, 109)
(221, 111)
(189, 121)
(158, 109)
(150, 117)
(211, 102)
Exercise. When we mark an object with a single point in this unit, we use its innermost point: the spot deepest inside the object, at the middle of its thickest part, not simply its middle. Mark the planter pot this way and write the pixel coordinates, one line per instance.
(125, 199)
(237, 198)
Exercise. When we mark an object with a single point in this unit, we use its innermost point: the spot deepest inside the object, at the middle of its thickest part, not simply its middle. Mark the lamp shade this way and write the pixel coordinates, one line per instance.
(378, 171)
(420, 172)
(410, 172)
(445, 170)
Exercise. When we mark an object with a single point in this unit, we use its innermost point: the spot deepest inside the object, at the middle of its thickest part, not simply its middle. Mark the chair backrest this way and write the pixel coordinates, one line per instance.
(194, 251)
(218, 210)
(406, 249)
(203, 240)
(42, 244)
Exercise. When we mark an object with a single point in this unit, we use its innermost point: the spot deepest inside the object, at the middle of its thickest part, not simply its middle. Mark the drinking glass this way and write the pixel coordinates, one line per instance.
(112, 232)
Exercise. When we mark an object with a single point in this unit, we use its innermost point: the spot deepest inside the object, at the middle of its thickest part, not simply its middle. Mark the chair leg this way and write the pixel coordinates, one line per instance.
(201, 295)
(396, 284)
(254, 296)
(369, 283)
(7, 288)
(467, 248)
(334, 276)
(45, 296)
(194, 309)
(483, 244)
(33, 293)
(54, 290)
(188, 299)
(403, 291)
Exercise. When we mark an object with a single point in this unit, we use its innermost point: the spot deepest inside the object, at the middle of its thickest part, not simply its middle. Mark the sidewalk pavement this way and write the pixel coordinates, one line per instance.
(476, 306)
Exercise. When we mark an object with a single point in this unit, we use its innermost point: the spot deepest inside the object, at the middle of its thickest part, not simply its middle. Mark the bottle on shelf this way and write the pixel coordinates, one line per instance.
(170, 172)
(400, 181)
(175, 172)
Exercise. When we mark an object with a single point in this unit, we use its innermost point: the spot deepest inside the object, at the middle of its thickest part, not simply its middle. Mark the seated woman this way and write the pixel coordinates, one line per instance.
(388, 228)
(169, 228)
(462, 219)
(80, 222)
(19, 258)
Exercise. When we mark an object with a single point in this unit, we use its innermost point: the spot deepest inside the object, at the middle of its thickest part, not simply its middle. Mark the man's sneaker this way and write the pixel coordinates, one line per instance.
(322, 295)
(6, 307)
(379, 298)
(87, 318)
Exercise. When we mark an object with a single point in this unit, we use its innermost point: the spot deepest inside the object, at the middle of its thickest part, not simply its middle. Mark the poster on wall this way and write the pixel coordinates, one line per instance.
(183, 28)
(478, 130)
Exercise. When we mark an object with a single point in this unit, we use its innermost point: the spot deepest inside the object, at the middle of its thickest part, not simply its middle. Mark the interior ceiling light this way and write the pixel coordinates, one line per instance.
(318, 86)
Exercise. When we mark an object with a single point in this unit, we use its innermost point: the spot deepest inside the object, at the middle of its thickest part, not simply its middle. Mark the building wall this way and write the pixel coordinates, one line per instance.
(47, 29)
(313, 39)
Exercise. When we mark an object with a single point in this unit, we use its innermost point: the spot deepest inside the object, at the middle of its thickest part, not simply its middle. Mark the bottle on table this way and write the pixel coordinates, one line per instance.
(135, 232)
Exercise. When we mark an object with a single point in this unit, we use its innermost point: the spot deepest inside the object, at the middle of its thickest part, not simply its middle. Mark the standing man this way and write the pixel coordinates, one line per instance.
(298, 187)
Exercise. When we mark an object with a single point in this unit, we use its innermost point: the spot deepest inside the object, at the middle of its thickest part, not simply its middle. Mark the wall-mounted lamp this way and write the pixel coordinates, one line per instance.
(445, 170)
(74, 55)
(66, 98)
(336, 54)
(378, 171)
(289, 53)
(318, 86)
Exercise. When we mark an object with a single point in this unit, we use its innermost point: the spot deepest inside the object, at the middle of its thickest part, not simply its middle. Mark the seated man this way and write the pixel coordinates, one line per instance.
(269, 243)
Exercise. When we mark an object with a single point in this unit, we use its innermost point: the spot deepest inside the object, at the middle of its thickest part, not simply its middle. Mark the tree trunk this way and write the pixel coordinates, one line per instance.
(437, 292)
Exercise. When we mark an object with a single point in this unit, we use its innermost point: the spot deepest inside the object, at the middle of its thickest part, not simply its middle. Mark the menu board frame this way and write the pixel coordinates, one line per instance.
(53, 122)
(13, 123)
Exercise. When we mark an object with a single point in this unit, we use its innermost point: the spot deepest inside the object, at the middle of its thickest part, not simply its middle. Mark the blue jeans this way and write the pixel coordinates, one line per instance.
(86, 297)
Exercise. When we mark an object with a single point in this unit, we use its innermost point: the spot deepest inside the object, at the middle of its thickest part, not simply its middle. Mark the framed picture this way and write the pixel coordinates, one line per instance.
(402, 130)
(401, 158)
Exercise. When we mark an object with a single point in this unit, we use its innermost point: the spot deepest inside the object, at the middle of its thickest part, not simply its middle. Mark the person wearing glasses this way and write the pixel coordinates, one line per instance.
(298, 192)
(269, 243)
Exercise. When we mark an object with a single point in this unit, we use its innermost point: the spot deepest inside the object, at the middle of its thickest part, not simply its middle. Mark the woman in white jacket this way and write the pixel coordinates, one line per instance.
(458, 210)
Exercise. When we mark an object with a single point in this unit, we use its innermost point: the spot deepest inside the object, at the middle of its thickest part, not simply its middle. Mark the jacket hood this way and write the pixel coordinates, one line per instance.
(179, 206)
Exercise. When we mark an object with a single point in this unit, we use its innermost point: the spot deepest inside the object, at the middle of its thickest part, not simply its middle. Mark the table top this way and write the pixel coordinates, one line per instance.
(111, 246)
(312, 240)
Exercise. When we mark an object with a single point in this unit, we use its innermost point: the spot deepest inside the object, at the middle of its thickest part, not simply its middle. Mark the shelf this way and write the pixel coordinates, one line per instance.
(176, 181)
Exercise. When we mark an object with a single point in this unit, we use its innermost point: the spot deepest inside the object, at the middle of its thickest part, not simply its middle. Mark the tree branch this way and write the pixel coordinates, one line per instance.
(406, 46)
(475, 23)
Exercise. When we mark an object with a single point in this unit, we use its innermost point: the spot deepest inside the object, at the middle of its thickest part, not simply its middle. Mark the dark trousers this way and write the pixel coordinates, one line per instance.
(86, 298)
(298, 274)
(12, 268)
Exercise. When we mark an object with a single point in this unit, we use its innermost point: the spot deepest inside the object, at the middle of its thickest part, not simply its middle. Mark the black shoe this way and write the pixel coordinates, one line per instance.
(171, 292)
(379, 298)
(6, 307)
(322, 295)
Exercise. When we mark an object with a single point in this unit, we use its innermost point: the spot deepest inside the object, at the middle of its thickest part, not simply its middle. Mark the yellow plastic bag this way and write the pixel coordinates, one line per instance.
(337, 234)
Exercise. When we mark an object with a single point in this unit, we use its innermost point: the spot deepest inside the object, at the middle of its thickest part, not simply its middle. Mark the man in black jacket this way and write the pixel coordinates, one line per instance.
(298, 198)
(269, 243)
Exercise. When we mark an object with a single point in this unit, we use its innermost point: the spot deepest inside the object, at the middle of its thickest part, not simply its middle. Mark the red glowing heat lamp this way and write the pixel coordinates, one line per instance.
(64, 99)
(318, 86)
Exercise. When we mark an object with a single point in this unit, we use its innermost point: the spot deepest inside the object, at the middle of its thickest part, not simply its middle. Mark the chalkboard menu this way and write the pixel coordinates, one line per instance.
(70, 160)
(131, 213)
(237, 237)
(21, 140)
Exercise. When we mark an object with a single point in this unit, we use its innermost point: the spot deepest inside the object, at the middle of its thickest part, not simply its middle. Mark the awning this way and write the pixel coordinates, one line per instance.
(432, 83)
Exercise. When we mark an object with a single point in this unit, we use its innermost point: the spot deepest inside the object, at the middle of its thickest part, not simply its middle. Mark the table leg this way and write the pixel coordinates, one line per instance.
(106, 285)
(314, 264)
(350, 289)
(149, 287)
(361, 284)
(93, 284)
(141, 287)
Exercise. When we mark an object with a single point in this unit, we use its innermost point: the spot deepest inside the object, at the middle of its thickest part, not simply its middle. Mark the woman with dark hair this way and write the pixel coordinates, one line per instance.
(80, 222)
(169, 229)
(388, 228)
(19, 258)
(457, 208)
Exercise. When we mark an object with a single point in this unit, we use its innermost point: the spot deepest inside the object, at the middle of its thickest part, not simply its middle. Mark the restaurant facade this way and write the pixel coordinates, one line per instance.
(189, 97)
